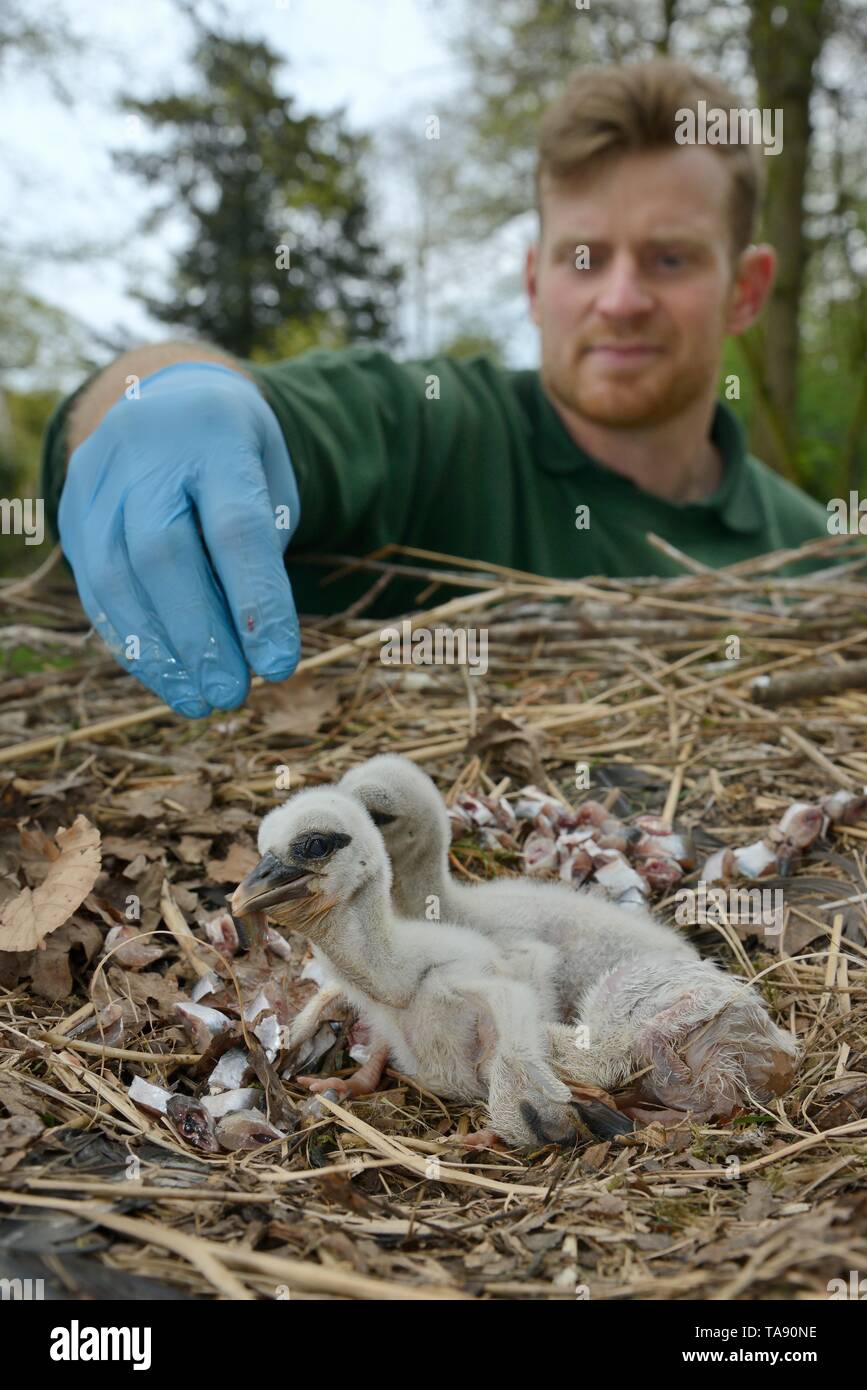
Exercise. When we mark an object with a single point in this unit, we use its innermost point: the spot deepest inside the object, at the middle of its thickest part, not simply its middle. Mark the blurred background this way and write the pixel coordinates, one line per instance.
(276, 174)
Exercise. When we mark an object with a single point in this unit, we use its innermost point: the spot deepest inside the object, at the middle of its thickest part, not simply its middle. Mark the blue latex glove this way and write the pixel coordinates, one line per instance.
(169, 520)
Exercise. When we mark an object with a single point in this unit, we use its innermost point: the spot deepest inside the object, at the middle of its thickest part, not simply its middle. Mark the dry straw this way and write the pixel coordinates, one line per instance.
(716, 699)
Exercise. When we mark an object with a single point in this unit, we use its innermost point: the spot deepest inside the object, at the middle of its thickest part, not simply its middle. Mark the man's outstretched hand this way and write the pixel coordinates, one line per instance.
(175, 515)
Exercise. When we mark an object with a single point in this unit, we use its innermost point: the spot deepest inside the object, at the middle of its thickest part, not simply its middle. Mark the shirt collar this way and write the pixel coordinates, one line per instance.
(737, 501)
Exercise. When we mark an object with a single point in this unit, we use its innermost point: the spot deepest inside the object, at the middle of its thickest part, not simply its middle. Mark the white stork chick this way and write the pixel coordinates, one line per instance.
(639, 989)
(589, 934)
(442, 1004)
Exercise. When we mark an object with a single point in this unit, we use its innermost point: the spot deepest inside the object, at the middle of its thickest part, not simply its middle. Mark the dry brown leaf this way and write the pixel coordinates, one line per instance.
(105, 910)
(191, 796)
(19, 1131)
(192, 849)
(509, 749)
(297, 706)
(14, 966)
(28, 919)
(236, 818)
(36, 843)
(236, 865)
(35, 855)
(125, 848)
(185, 898)
(146, 802)
(50, 971)
(142, 996)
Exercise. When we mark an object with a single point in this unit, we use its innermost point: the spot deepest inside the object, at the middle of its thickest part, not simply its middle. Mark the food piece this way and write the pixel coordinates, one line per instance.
(720, 867)
(246, 1129)
(131, 947)
(270, 1034)
(576, 867)
(232, 1070)
(844, 808)
(540, 854)
(222, 933)
(756, 860)
(592, 813)
(151, 1098)
(648, 846)
(275, 943)
(653, 825)
(660, 872)
(801, 825)
(620, 880)
(192, 1122)
(211, 983)
(228, 1102)
(202, 1023)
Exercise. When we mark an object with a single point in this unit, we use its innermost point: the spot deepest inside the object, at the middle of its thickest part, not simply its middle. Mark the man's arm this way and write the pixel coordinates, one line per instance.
(106, 389)
(175, 503)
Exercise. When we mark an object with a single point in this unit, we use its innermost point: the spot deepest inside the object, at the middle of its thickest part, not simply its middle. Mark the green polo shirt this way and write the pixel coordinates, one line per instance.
(468, 458)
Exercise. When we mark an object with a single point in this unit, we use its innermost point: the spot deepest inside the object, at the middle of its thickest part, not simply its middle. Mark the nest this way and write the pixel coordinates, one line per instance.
(712, 700)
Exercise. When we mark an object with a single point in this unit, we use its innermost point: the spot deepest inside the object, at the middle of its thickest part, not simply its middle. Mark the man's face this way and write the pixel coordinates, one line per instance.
(636, 338)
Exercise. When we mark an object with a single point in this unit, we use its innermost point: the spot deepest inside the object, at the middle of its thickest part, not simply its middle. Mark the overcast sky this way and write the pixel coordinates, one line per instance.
(374, 57)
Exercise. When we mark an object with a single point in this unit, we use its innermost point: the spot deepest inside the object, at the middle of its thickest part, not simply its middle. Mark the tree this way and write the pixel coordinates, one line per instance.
(277, 203)
(784, 58)
(47, 41)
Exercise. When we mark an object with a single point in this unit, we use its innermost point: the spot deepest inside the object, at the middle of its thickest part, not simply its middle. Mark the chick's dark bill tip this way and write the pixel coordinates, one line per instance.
(271, 882)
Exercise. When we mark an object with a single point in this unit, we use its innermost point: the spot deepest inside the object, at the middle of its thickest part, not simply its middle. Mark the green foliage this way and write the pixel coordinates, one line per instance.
(44, 38)
(294, 336)
(253, 176)
(33, 333)
(469, 344)
(25, 661)
(25, 415)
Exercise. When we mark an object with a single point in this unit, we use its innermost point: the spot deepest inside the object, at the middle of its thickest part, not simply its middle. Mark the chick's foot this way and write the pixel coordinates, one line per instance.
(482, 1139)
(360, 1083)
(345, 1086)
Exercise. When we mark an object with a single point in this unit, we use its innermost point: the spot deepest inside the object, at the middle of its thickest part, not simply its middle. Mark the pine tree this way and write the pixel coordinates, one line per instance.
(278, 207)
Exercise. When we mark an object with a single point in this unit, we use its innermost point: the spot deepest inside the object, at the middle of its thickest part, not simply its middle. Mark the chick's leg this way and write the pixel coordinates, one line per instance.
(482, 1139)
(305, 1024)
(360, 1083)
(701, 1040)
(527, 1103)
(574, 1062)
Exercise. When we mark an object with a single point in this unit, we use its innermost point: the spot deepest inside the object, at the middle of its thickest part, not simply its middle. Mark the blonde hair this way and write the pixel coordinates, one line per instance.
(614, 110)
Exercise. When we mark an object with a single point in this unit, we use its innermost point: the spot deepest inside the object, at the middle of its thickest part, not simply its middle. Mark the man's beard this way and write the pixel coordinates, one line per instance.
(650, 398)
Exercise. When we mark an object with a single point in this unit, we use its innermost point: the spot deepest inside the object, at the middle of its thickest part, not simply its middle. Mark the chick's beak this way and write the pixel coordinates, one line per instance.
(270, 883)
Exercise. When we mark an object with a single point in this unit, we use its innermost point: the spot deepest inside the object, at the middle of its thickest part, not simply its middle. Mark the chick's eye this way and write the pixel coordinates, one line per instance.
(382, 818)
(316, 847)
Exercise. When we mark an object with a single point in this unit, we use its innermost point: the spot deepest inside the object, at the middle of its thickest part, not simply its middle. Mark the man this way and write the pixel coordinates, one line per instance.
(190, 474)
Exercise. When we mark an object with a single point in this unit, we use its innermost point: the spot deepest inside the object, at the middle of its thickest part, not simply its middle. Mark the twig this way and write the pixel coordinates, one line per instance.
(13, 588)
(802, 685)
(210, 1257)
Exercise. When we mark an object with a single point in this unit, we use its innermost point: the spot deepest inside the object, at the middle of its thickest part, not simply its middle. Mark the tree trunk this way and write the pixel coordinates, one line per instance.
(784, 57)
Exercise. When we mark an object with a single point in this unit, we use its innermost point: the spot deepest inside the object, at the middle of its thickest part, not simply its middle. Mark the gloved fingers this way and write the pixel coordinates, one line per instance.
(246, 547)
(119, 612)
(168, 559)
(279, 477)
